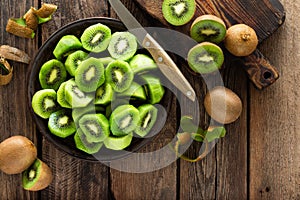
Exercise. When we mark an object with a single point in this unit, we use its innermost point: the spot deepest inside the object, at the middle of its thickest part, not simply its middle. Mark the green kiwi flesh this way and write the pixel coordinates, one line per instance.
(77, 113)
(96, 38)
(73, 60)
(61, 123)
(61, 99)
(142, 63)
(44, 103)
(155, 91)
(83, 145)
(89, 75)
(66, 45)
(106, 60)
(205, 58)
(178, 12)
(118, 143)
(95, 127)
(103, 94)
(52, 74)
(148, 116)
(123, 45)
(134, 92)
(123, 120)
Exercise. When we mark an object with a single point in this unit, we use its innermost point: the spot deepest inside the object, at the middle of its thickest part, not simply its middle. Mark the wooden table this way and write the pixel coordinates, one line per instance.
(258, 158)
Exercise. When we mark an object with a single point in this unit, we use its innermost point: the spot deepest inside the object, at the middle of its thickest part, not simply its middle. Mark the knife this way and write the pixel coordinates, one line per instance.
(162, 59)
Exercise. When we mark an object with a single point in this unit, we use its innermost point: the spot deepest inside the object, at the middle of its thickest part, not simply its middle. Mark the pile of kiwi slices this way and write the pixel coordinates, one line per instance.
(98, 101)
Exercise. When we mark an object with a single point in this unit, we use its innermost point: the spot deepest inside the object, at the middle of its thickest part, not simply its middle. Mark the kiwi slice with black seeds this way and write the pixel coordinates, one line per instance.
(209, 28)
(77, 113)
(61, 123)
(134, 92)
(96, 38)
(61, 96)
(106, 60)
(119, 75)
(155, 91)
(66, 45)
(142, 63)
(73, 60)
(178, 12)
(114, 104)
(148, 116)
(205, 58)
(123, 45)
(52, 74)
(89, 75)
(103, 94)
(44, 103)
(83, 145)
(118, 143)
(95, 127)
(123, 120)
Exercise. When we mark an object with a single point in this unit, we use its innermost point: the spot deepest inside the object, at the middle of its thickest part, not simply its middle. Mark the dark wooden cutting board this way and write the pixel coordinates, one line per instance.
(265, 16)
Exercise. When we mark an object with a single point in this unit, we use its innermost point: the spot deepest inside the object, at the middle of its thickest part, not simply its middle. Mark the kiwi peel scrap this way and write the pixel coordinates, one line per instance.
(5, 77)
(18, 28)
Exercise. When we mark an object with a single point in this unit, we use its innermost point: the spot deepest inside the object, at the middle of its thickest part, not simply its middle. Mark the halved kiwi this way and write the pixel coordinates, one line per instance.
(134, 92)
(103, 94)
(44, 103)
(205, 58)
(83, 145)
(66, 45)
(178, 12)
(155, 91)
(123, 120)
(142, 63)
(119, 75)
(123, 45)
(73, 60)
(209, 28)
(118, 143)
(61, 99)
(148, 116)
(61, 123)
(89, 75)
(52, 74)
(96, 38)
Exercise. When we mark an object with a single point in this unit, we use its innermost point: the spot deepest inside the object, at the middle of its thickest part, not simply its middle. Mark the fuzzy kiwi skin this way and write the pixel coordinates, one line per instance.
(17, 153)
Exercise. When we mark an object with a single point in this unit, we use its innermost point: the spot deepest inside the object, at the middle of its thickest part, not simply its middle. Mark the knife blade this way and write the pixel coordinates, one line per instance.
(162, 59)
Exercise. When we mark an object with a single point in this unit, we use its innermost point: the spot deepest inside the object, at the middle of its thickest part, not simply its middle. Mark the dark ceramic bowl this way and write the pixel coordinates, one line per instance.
(44, 54)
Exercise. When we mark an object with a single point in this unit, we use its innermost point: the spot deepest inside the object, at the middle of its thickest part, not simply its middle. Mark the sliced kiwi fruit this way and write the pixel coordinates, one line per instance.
(52, 74)
(114, 104)
(123, 120)
(118, 143)
(73, 60)
(205, 58)
(76, 97)
(96, 38)
(178, 12)
(44, 103)
(66, 45)
(89, 75)
(148, 116)
(37, 177)
(95, 127)
(61, 99)
(123, 45)
(61, 123)
(119, 75)
(142, 63)
(83, 145)
(106, 60)
(77, 113)
(134, 92)
(155, 91)
(209, 28)
(103, 94)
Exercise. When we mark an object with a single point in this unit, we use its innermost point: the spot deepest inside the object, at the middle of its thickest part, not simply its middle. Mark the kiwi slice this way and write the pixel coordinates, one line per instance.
(209, 28)
(119, 75)
(106, 60)
(66, 45)
(96, 38)
(61, 123)
(123, 45)
(95, 127)
(123, 120)
(83, 145)
(77, 113)
(142, 63)
(114, 104)
(37, 177)
(89, 75)
(148, 116)
(103, 94)
(44, 103)
(61, 96)
(76, 97)
(205, 58)
(155, 91)
(118, 143)
(73, 60)
(52, 74)
(134, 92)
(178, 12)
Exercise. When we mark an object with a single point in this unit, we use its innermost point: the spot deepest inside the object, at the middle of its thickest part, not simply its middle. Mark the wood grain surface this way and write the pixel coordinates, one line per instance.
(257, 159)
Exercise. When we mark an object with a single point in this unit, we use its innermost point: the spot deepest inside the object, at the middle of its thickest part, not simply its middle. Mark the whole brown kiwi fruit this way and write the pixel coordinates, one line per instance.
(223, 105)
(241, 40)
(17, 153)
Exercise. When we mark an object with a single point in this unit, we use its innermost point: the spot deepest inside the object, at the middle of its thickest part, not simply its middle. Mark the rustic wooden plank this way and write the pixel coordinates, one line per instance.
(14, 115)
(73, 178)
(274, 125)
